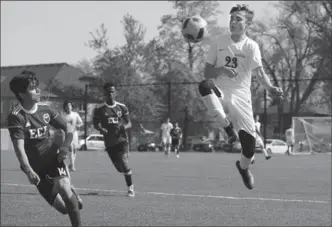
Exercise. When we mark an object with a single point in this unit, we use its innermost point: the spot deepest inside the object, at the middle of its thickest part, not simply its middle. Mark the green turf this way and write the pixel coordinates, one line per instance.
(175, 192)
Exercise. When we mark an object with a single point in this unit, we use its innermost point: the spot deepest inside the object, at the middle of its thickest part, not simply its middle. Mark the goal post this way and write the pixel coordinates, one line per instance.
(312, 134)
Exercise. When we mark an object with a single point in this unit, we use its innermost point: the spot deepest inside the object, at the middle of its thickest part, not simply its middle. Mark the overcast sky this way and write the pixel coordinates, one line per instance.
(55, 31)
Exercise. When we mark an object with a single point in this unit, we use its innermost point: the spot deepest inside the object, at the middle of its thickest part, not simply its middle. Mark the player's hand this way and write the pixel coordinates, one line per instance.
(276, 92)
(33, 177)
(230, 72)
(63, 152)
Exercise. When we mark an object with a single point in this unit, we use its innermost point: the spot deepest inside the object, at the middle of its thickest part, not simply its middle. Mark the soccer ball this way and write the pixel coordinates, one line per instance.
(194, 29)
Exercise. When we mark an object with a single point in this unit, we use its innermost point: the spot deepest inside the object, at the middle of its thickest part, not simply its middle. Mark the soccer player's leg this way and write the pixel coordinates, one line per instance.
(56, 188)
(169, 145)
(119, 157)
(210, 96)
(241, 113)
(259, 141)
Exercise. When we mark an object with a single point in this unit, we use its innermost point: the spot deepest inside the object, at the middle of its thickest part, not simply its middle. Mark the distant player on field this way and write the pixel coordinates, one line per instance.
(40, 157)
(112, 119)
(290, 140)
(259, 138)
(74, 120)
(231, 59)
(166, 137)
(176, 134)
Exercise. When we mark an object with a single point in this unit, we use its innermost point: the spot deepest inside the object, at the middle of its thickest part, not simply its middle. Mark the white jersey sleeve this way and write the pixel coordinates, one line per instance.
(256, 60)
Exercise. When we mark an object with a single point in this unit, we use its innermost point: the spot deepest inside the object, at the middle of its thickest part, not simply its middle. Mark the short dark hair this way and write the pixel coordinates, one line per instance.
(65, 103)
(244, 8)
(20, 83)
(108, 85)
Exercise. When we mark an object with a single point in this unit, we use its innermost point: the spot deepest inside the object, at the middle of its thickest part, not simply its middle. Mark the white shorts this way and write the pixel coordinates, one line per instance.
(290, 142)
(166, 140)
(259, 141)
(239, 111)
(75, 142)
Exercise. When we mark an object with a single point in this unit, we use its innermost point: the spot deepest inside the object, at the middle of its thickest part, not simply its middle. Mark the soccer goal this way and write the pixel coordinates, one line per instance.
(312, 135)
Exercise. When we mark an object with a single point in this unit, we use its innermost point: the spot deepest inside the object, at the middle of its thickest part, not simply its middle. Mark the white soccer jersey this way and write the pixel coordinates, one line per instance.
(244, 56)
(166, 129)
(73, 119)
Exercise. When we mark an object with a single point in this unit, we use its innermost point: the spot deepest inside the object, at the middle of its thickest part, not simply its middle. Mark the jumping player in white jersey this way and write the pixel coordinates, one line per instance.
(226, 87)
(259, 139)
(166, 137)
(73, 120)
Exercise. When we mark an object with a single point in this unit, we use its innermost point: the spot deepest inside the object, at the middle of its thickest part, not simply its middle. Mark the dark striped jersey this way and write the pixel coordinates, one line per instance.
(111, 117)
(33, 126)
(176, 133)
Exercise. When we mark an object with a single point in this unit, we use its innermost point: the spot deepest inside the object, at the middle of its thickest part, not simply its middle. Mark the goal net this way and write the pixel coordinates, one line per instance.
(312, 134)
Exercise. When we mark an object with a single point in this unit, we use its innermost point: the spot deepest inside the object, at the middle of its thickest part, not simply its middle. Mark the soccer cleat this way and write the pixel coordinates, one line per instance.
(247, 177)
(131, 192)
(268, 157)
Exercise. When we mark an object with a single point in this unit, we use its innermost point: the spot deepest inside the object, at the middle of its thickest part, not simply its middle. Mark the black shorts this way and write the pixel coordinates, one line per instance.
(119, 156)
(175, 142)
(47, 176)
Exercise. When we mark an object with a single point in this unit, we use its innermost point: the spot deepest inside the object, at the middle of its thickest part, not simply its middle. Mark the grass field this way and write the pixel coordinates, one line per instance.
(197, 189)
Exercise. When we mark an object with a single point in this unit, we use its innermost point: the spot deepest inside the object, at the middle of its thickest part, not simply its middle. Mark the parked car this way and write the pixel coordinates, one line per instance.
(150, 146)
(232, 148)
(206, 146)
(276, 146)
(93, 142)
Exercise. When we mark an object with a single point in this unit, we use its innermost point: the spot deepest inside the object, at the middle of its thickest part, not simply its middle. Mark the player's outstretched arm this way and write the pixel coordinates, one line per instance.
(265, 81)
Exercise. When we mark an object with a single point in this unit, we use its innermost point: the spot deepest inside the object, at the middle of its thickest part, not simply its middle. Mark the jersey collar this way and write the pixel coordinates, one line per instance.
(32, 110)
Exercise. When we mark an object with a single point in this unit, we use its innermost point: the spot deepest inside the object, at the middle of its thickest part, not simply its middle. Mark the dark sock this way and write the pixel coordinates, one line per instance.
(73, 211)
(128, 179)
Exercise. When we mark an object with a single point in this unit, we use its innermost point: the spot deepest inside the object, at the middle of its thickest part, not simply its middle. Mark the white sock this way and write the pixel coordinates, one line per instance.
(215, 109)
(245, 162)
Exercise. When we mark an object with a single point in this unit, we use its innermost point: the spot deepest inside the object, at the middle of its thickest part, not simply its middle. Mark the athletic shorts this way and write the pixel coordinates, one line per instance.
(166, 140)
(175, 142)
(239, 110)
(119, 156)
(259, 141)
(47, 177)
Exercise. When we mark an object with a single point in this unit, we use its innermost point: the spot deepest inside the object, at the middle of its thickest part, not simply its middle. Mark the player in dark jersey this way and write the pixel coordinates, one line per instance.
(41, 157)
(176, 134)
(112, 119)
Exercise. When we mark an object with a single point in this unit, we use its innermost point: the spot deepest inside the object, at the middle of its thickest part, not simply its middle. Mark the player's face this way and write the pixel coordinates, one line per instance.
(238, 23)
(109, 93)
(69, 107)
(32, 93)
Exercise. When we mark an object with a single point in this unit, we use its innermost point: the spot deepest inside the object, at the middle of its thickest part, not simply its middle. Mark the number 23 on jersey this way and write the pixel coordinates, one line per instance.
(231, 62)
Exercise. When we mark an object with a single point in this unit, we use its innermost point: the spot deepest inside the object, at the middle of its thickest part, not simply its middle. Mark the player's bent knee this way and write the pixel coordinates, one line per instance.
(206, 87)
(248, 143)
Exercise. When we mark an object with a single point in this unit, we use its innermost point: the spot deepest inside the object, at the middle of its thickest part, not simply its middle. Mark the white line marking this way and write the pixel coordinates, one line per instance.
(188, 195)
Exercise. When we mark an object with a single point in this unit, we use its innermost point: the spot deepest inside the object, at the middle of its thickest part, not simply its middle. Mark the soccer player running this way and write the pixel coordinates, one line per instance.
(231, 58)
(166, 138)
(176, 134)
(41, 158)
(112, 119)
(74, 120)
(259, 139)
